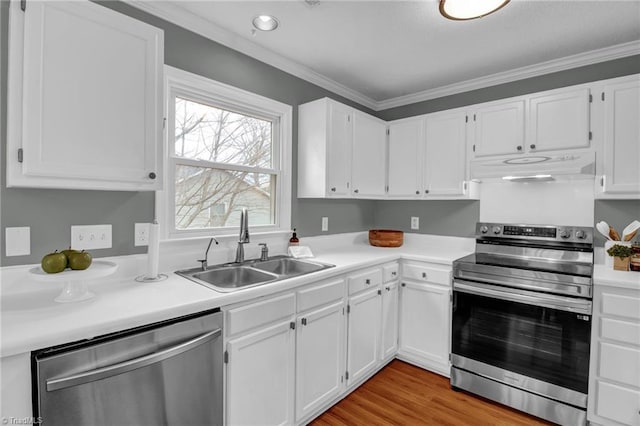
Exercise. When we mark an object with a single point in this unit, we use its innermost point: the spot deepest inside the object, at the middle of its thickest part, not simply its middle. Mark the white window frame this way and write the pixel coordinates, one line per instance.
(195, 87)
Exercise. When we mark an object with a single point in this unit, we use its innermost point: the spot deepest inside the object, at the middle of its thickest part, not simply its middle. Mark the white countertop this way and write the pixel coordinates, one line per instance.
(606, 275)
(31, 320)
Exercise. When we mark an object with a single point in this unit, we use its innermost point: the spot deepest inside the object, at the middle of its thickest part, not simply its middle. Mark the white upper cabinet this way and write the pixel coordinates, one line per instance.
(406, 139)
(445, 154)
(621, 139)
(559, 120)
(85, 98)
(499, 128)
(369, 161)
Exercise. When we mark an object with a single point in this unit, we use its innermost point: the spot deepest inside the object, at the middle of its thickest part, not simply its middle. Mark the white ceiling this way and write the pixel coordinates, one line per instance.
(387, 53)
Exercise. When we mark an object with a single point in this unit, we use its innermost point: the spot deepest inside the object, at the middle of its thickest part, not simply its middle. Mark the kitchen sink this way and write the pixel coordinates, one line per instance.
(289, 267)
(236, 276)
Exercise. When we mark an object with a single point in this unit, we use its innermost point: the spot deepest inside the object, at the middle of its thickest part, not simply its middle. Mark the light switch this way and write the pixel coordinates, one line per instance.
(18, 241)
(415, 222)
(325, 223)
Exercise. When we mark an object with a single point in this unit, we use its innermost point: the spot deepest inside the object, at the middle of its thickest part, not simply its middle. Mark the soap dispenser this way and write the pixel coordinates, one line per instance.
(294, 241)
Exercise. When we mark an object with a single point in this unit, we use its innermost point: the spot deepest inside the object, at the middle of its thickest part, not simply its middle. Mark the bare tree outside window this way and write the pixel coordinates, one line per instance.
(236, 152)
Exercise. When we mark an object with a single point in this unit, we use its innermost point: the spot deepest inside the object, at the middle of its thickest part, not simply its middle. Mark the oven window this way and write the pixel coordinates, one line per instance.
(543, 343)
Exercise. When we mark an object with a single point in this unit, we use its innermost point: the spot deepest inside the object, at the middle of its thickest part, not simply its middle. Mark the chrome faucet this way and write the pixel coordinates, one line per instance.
(244, 235)
(206, 254)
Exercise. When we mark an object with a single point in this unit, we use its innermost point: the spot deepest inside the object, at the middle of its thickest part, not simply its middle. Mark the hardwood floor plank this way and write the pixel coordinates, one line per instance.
(402, 394)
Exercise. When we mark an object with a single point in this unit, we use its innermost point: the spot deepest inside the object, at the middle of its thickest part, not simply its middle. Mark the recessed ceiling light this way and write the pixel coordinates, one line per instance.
(265, 23)
(462, 10)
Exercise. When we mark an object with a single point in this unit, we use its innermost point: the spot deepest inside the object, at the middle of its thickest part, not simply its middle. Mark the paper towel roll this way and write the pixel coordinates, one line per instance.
(153, 252)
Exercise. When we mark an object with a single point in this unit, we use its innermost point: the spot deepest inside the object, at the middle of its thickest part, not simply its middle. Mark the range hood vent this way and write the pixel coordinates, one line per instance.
(536, 167)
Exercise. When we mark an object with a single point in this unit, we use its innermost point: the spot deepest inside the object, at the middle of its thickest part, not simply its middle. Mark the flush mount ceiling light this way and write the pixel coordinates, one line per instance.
(265, 23)
(462, 10)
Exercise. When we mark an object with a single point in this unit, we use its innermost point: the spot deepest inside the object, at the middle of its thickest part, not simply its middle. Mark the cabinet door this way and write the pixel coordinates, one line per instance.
(425, 324)
(622, 138)
(499, 129)
(389, 320)
(91, 97)
(260, 377)
(364, 334)
(339, 150)
(406, 138)
(445, 154)
(368, 163)
(320, 362)
(559, 120)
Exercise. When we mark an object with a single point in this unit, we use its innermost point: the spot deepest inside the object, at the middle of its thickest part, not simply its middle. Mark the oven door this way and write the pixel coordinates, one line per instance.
(536, 341)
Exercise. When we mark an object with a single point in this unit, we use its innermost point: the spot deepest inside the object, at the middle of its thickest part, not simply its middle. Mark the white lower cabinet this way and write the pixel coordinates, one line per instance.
(389, 319)
(425, 314)
(614, 373)
(364, 334)
(320, 351)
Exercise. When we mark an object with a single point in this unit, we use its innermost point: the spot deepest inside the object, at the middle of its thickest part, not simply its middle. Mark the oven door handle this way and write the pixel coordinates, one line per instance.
(522, 296)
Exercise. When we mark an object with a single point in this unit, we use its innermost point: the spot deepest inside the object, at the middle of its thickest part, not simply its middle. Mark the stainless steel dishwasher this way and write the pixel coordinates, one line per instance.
(169, 373)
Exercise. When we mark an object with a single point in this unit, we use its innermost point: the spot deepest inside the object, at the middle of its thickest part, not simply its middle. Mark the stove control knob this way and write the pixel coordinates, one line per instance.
(484, 229)
(565, 234)
(581, 235)
(496, 230)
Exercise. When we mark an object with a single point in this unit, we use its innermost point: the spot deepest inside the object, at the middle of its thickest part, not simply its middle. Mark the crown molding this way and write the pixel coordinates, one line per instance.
(205, 28)
(555, 65)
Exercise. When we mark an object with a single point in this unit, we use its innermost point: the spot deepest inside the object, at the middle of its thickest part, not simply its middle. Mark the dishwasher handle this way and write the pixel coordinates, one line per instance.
(126, 366)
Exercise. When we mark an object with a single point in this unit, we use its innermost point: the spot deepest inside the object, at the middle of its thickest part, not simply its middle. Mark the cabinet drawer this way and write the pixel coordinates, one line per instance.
(320, 294)
(621, 331)
(618, 403)
(620, 363)
(621, 305)
(424, 273)
(246, 317)
(365, 279)
(390, 272)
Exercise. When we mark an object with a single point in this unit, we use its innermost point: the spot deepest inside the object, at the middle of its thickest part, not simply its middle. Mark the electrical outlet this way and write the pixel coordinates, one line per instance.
(141, 234)
(91, 237)
(415, 222)
(325, 223)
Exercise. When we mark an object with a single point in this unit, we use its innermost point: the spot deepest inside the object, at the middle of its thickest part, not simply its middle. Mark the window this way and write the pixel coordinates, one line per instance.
(227, 149)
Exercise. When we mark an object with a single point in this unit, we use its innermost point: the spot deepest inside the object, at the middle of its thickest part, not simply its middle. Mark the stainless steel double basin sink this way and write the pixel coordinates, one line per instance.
(236, 276)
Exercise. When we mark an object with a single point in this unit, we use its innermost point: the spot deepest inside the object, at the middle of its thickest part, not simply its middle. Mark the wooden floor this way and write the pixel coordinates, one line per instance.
(402, 394)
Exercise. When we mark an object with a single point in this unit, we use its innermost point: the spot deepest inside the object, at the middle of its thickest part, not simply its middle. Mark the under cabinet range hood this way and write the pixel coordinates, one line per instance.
(536, 167)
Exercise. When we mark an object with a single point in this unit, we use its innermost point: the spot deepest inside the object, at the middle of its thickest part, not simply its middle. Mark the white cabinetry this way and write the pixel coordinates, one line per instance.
(498, 128)
(85, 98)
(389, 317)
(341, 152)
(547, 121)
(620, 168)
(364, 325)
(260, 355)
(445, 158)
(614, 377)
(369, 160)
(425, 314)
(320, 346)
(406, 139)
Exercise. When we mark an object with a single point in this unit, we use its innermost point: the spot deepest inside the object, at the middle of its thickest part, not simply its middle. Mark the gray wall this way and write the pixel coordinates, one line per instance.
(50, 213)
(617, 213)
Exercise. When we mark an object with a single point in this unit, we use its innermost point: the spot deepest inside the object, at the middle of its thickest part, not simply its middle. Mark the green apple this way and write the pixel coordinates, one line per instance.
(68, 252)
(53, 263)
(80, 260)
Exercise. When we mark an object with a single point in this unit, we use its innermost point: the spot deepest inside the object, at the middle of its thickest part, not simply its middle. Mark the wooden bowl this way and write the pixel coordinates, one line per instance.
(386, 238)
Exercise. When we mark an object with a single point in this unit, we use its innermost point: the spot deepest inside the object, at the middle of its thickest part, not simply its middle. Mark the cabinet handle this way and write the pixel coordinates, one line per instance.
(333, 189)
(403, 285)
(304, 321)
(367, 281)
(532, 146)
(379, 292)
(424, 275)
(387, 288)
(519, 147)
(152, 175)
(426, 191)
(394, 273)
(356, 191)
(417, 192)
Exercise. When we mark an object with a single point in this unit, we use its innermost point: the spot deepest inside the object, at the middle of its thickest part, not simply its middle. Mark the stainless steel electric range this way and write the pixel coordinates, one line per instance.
(521, 320)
